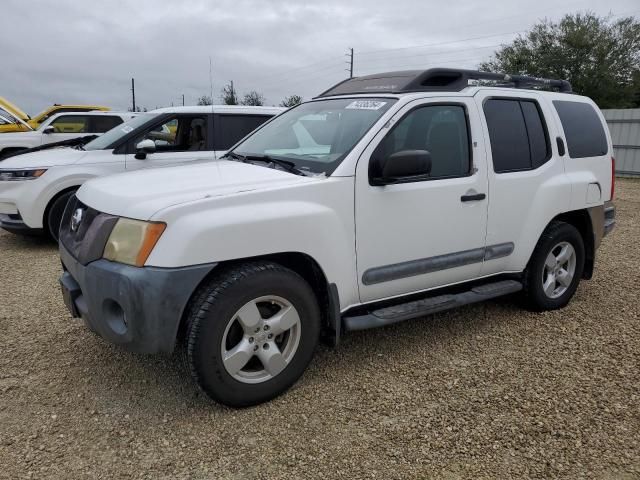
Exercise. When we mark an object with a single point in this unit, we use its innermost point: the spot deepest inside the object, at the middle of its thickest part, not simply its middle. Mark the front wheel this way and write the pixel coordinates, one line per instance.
(55, 212)
(251, 332)
(555, 268)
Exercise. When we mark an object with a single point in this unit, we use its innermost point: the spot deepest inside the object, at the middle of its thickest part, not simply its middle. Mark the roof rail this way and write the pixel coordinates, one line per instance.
(437, 80)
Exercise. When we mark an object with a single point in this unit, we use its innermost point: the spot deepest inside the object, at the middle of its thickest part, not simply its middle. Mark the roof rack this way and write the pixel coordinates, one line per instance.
(437, 80)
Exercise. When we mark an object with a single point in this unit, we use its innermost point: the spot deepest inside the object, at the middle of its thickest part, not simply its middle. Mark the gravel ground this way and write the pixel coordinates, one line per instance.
(488, 391)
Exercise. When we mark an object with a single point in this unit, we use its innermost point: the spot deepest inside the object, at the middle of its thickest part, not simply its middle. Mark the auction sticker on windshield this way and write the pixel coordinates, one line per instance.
(127, 129)
(366, 105)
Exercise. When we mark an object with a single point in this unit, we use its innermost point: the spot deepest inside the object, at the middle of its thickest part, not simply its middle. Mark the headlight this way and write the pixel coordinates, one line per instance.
(131, 241)
(13, 175)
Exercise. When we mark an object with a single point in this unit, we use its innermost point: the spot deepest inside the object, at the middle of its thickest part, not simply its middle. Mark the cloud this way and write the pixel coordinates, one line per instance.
(87, 52)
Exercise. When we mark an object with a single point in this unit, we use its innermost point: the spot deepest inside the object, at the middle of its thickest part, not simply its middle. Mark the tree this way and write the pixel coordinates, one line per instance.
(205, 100)
(252, 98)
(229, 96)
(291, 101)
(600, 58)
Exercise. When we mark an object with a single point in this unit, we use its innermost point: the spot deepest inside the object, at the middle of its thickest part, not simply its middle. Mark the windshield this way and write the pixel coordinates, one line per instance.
(108, 139)
(316, 136)
(6, 117)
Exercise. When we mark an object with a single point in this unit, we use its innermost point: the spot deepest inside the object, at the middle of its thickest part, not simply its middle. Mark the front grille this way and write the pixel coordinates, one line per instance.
(84, 231)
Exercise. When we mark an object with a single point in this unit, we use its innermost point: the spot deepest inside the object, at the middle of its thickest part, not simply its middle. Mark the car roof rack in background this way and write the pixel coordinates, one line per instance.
(438, 80)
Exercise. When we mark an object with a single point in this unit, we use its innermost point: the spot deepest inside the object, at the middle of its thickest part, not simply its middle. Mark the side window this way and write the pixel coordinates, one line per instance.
(102, 124)
(582, 128)
(229, 129)
(518, 135)
(439, 129)
(71, 124)
(178, 134)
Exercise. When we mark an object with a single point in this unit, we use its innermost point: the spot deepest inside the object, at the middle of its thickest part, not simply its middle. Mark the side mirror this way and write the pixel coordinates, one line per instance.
(49, 129)
(402, 167)
(144, 148)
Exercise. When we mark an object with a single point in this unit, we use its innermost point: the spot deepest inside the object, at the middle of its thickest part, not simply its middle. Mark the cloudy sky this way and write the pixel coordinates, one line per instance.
(72, 51)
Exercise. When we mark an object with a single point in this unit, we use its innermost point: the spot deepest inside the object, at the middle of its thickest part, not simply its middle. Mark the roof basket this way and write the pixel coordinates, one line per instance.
(439, 80)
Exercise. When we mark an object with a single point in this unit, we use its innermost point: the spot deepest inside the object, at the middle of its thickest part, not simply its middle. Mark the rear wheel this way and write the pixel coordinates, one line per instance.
(251, 333)
(54, 214)
(555, 268)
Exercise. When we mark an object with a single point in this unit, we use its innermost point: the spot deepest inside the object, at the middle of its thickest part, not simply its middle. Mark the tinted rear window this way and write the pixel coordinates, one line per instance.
(101, 124)
(229, 129)
(518, 136)
(582, 128)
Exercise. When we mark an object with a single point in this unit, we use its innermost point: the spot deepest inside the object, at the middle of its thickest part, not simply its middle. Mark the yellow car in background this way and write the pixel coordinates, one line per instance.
(34, 122)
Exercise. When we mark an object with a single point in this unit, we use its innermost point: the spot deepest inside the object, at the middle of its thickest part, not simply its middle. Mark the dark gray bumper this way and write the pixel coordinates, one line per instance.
(137, 308)
(609, 218)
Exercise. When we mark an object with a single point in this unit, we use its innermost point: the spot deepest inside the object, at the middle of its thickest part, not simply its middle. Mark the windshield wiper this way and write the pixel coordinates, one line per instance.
(286, 164)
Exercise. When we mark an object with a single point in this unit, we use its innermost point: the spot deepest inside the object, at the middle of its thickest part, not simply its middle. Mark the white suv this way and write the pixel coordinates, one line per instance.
(60, 128)
(35, 187)
(386, 198)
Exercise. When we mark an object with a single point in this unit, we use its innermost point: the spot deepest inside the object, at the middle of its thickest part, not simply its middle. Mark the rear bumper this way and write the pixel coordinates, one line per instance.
(609, 218)
(137, 308)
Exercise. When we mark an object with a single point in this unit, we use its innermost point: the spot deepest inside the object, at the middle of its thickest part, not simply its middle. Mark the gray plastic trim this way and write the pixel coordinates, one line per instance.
(421, 266)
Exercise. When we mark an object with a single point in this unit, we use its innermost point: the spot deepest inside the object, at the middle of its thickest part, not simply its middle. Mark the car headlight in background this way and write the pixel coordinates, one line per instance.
(131, 241)
(14, 175)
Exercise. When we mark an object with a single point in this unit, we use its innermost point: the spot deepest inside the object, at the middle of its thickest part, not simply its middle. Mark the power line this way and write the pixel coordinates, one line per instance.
(440, 52)
(442, 43)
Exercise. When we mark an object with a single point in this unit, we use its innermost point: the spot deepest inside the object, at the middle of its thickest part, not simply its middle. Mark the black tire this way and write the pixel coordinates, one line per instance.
(556, 233)
(214, 307)
(54, 214)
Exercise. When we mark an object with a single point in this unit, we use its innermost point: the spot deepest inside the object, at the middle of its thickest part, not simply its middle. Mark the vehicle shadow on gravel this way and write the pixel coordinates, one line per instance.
(152, 380)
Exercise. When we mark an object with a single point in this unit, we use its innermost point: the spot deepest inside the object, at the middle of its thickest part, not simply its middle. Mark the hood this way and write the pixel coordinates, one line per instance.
(143, 193)
(44, 158)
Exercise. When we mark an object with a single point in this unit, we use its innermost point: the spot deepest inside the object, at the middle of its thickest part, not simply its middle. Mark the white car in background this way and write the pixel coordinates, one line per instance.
(35, 187)
(61, 127)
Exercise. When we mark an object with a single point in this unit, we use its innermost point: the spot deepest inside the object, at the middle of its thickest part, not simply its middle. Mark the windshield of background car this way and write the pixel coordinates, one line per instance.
(7, 118)
(317, 135)
(109, 139)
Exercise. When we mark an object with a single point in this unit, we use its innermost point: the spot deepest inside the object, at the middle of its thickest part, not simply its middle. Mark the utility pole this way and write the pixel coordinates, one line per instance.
(133, 95)
(350, 62)
(183, 99)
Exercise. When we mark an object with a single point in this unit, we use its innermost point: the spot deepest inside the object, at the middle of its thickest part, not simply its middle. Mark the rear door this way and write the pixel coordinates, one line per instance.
(229, 129)
(527, 183)
(179, 138)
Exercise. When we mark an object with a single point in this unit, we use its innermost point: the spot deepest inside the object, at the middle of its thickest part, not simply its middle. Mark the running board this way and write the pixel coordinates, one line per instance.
(427, 306)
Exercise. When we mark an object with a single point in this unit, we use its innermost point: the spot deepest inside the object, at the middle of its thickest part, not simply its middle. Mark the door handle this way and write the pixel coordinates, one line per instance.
(473, 197)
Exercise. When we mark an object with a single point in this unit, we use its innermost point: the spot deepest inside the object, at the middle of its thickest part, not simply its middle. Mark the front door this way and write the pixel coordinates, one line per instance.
(66, 127)
(431, 231)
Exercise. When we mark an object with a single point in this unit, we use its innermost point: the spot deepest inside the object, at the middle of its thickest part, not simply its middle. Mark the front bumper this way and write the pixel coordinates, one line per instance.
(137, 308)
(13, 223)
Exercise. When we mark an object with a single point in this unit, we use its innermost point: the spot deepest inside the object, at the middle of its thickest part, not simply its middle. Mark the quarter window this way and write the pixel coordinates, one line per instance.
(582, 128)
(439, 129)
(518, 135)
(229, 129)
